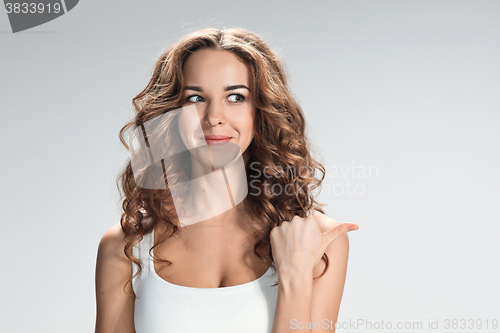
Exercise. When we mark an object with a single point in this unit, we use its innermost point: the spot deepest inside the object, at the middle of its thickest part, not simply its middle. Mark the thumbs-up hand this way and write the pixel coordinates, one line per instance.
(299, 244)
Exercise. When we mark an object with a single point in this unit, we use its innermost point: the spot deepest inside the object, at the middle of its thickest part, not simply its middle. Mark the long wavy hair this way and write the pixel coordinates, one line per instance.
(278, 157)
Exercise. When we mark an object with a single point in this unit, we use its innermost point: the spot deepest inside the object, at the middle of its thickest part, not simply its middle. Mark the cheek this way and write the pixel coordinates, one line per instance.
(246, 125)
(189, 127)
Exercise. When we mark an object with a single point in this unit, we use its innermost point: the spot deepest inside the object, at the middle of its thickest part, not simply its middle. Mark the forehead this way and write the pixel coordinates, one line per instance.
(215, 67)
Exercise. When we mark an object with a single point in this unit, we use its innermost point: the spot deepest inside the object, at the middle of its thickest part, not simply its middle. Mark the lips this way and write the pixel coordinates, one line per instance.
(217, 139)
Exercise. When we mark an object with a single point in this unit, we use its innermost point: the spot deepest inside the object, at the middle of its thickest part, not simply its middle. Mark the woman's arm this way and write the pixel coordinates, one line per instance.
(115, 305)
(328, 289)
(304, 304)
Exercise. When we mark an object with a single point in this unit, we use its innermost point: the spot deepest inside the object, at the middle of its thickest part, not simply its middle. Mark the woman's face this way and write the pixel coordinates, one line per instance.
(218, 84)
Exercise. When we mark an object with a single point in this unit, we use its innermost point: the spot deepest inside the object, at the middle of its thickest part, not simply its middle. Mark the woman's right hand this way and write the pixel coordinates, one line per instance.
(299, 244)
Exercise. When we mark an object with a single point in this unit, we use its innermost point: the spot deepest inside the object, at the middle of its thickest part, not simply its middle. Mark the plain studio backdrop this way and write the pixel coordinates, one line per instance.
(402, 103)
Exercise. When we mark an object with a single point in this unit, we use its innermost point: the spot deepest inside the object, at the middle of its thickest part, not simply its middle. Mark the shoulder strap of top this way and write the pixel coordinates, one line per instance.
(141, 252)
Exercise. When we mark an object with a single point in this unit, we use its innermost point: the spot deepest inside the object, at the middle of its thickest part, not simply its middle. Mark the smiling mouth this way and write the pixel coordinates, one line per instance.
(217, 139)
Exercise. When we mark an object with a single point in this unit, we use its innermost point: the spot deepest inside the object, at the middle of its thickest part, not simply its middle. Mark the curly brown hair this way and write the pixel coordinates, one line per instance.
(279, 154)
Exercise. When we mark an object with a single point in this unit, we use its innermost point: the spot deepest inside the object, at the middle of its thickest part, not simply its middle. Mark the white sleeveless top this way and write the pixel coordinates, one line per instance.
(163, 307)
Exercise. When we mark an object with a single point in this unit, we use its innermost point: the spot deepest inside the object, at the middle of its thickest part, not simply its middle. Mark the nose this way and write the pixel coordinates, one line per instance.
(214, 115)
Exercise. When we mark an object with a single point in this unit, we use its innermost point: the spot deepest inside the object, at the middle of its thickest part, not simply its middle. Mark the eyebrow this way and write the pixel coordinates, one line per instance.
(233, 87)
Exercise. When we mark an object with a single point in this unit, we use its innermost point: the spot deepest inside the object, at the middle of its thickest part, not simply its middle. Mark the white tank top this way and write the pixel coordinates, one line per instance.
(163, 307)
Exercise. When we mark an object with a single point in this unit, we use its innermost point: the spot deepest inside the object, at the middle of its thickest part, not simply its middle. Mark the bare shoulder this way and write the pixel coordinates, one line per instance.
(328, 289)
(113, 242)
(337, 251)
(113, 267)
(114, 296)
(325, 222)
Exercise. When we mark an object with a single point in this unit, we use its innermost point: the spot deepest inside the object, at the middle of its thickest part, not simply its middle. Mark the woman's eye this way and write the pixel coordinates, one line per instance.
(236, 98)
(194, 99)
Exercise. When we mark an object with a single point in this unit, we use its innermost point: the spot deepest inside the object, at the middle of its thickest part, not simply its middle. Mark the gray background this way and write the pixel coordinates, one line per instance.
(410, 88)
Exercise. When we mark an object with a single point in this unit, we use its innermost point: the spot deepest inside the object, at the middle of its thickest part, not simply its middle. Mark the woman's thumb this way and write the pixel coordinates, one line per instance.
(340, 230)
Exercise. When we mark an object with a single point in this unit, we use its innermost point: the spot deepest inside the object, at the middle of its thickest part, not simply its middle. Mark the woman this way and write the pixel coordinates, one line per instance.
(267, 260)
